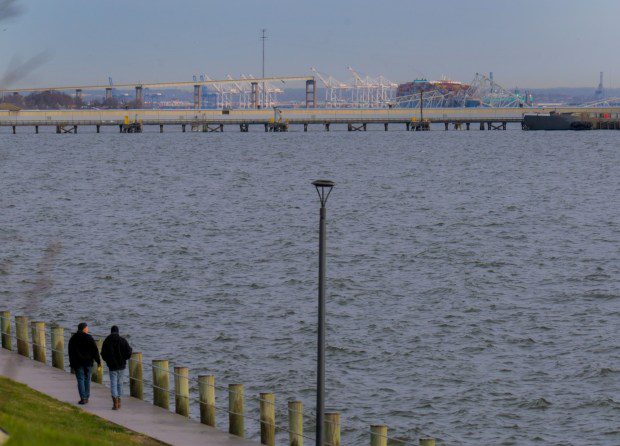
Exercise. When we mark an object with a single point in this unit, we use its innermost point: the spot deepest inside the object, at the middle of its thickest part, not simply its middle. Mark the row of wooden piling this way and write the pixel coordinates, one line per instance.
(161, 388)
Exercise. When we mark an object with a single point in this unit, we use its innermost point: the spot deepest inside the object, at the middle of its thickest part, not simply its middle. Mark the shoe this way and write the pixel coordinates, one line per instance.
(114, 403)
(82, 401)
(118, 403)
(85, 401)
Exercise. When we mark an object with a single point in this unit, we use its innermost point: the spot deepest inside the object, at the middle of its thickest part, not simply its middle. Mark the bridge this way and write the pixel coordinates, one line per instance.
(311, 100)
(68, 121)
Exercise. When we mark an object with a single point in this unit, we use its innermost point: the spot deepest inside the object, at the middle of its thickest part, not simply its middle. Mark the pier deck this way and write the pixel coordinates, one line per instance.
(215, 120)
(136, 415)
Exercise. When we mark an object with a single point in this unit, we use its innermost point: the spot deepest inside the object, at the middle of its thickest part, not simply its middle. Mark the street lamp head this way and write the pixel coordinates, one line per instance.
(323, 188)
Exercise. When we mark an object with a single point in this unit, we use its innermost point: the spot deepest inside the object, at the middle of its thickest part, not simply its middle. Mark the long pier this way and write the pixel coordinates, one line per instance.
(129, 121)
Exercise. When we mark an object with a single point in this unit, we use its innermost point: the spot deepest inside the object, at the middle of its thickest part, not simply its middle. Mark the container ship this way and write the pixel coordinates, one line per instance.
(443, 87)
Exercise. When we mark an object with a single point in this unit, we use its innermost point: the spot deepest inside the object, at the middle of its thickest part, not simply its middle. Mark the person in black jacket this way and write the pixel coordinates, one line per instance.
(115, 352)
(82, 352)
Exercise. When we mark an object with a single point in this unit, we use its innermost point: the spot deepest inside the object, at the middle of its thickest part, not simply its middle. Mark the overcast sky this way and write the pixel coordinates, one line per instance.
(526, 43)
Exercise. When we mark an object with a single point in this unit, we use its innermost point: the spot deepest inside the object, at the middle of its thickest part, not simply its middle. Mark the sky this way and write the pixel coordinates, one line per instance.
(525, 43)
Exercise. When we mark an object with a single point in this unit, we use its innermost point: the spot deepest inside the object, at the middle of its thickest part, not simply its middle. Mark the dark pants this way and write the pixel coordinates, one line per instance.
(83, 381)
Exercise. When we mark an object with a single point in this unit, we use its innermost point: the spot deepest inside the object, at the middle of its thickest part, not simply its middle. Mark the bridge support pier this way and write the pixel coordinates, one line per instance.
(161, 128)
(467, 125)
(14, 130)
(503, 126)
(254, 94)
(36, 129)
(310, 93)
(197, 96)
(482, 126)
(58, 129)
(305, 127)
(183, 128)
(446, 125)
(327, 126)
(385, 126)
(407, 126)
(98, 128)
(139, 100)
(78, 96)
(108, 94)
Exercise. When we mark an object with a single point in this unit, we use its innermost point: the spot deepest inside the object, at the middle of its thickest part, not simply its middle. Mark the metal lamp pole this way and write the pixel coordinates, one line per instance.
(323, 188)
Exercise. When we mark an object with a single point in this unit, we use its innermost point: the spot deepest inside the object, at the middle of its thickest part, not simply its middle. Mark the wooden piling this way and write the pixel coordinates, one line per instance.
(181, 391)
(206, 392)
(5, 327)
(235, 410)
(332, 428)
(97, 376)
(378, 435)
(58, 347)
(267, 419)
(136, 387)
(295, 423)
(21, 332)
(427, 442)
(161, 383)
(38, 341)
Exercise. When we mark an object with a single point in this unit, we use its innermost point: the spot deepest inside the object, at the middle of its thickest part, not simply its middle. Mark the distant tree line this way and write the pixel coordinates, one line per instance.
(53, 100)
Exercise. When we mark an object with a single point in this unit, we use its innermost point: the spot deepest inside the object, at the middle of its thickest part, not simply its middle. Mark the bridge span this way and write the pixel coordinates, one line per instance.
(68, 121)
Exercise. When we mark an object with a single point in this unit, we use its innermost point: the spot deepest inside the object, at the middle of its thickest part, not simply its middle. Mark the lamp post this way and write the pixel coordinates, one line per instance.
(324, 189)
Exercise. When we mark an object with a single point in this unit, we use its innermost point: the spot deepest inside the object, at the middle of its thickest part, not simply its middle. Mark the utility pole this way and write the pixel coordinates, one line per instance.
(263, 37)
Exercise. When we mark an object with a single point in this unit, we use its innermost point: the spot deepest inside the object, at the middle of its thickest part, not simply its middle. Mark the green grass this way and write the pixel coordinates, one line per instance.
(34, 419)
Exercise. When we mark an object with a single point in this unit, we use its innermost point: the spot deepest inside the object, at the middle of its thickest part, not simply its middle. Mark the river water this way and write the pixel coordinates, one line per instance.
(474, 277)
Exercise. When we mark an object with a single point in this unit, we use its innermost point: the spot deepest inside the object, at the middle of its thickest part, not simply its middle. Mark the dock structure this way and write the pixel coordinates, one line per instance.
(279, 120)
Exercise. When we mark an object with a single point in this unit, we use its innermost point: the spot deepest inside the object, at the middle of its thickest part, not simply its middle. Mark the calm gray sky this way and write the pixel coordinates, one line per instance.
(527, 43)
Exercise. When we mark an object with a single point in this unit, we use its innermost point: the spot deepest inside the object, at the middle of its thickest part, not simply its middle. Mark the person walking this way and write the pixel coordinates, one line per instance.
(83, 352)
(115, 351)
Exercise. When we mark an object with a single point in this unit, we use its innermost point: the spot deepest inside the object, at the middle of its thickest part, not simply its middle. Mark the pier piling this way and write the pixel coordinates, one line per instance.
(332, 428)
(181, 391)
(206, 392)
(235, 410)
(378, 435)
(161, 383)
(97, 376)
(268, 419)
(58, 347)
(136, 387)
(5, 327)
(21, 332)
(296, 423)
(38, 341)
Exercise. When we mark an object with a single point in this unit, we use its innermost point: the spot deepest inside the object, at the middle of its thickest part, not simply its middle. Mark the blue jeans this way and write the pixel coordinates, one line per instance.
(116, 383)
(83, 381)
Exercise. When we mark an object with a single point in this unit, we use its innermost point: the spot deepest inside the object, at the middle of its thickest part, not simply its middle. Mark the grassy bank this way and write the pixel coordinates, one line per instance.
(34, 419)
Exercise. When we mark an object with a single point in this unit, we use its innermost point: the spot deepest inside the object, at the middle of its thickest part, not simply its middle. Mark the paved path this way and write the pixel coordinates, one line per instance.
(137, 415)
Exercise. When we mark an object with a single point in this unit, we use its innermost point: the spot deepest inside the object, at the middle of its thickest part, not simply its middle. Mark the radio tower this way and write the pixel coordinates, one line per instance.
(598, 94)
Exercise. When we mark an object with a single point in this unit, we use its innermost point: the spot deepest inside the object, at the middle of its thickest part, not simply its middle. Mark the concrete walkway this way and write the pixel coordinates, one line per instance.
(136, 415)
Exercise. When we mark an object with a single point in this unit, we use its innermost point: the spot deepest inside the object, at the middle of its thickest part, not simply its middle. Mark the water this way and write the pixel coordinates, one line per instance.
(474, 277)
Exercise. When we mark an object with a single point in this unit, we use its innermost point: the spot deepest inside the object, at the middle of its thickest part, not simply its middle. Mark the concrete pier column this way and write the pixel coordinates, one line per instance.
(78, 95)
(364, 126)
(36, 129)
(161, 128)
(183, 128)
(108, 94)
(482, 126)
(197, 96)
(139, 100)
(75, 129)
(350, 127)
(254, 94)
(467, 125)
(305, 127)
(447, 125)
(488, 126)
(14, 130)
(58, 129)
(385, 126)
(310, 93)
(503, 126)
(98, 128)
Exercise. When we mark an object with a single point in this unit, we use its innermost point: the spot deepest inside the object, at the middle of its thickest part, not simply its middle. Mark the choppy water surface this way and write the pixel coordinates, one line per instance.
(474, 277)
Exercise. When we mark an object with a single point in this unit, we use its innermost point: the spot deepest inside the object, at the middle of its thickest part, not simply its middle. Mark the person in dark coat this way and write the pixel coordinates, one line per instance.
(115, 352)
(83, 352)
